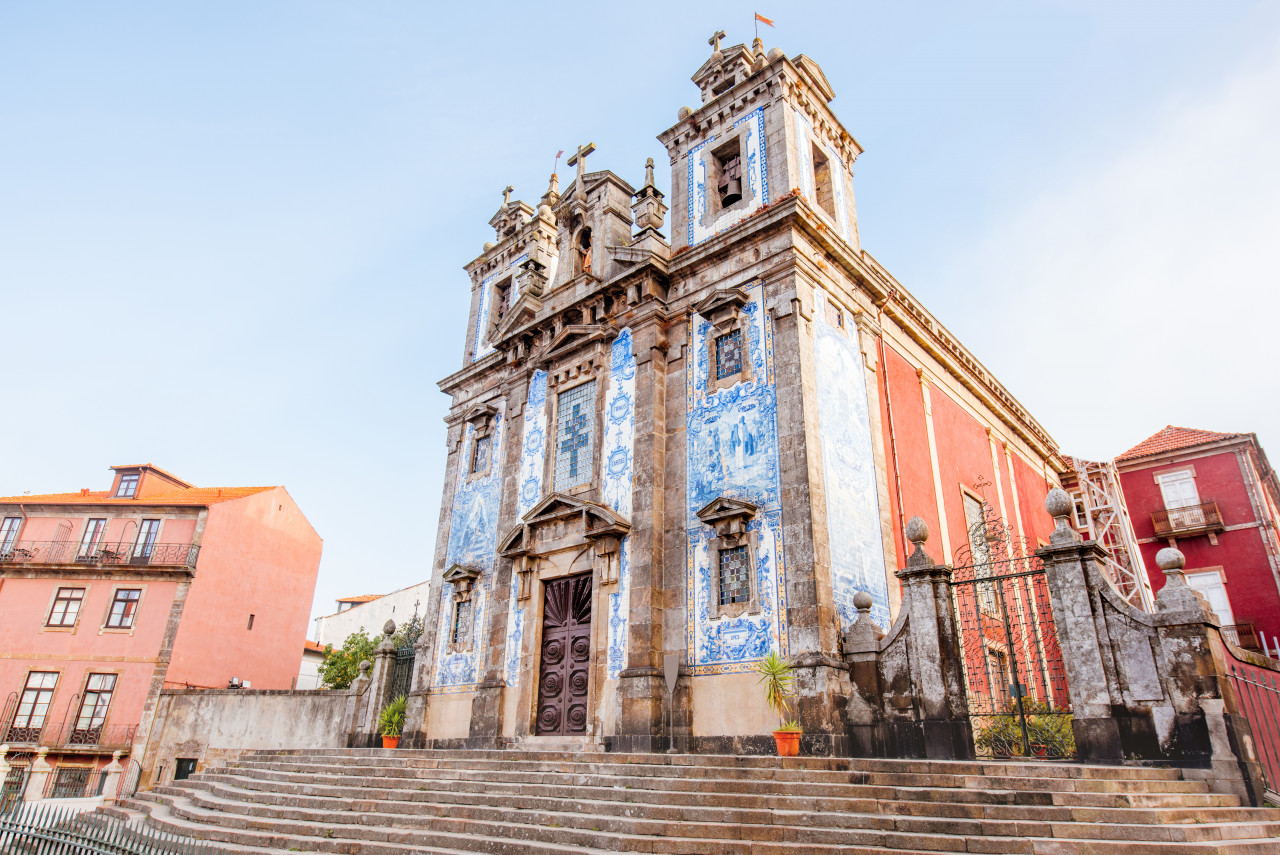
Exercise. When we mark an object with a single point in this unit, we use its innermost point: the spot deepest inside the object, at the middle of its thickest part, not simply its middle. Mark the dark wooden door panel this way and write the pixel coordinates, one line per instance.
(566, 656)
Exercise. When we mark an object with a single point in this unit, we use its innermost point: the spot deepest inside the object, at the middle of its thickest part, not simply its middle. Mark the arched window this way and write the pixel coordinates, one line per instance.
(582, 253)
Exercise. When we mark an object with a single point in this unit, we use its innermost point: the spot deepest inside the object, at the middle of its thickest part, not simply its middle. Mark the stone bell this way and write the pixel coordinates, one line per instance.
(731, 182)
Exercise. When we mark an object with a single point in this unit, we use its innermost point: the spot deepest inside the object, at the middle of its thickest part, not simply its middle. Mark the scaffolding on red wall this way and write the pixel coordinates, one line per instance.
(1101, 515)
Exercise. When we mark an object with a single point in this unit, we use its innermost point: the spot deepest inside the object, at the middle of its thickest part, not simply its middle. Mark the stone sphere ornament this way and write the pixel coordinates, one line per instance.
(389, 628)
(489, 245)
(1170, 560)
(862, 601)
(1058, 503)
(775, 54)
(917, 530)
(684, 113)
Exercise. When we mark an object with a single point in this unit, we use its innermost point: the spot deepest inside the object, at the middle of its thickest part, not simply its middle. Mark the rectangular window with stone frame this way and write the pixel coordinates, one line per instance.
(460, 634)
(731, 558)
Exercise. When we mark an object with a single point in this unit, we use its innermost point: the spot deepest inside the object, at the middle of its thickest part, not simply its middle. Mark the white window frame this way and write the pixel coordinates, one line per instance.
(1205, 580)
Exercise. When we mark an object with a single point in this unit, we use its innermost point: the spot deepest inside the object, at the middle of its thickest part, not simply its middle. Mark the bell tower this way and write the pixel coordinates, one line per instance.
(764, 130)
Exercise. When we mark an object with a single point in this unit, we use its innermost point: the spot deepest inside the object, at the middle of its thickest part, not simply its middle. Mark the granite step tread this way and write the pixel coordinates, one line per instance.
(412, 765)
(689, 761)
(835, 818)
(721, 837)
(751, 786)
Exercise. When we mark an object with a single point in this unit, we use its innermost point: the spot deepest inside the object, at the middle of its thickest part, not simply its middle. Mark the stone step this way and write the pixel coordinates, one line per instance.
(376, 802)
(566, 812)
(677, 789)
(1039, 769)
(787, 779)
(375, 840)
(644, 800)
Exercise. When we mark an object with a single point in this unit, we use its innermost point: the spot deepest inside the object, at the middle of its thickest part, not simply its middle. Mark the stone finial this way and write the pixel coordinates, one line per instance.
(684, 113)
(389, 628)
(776, 54)
(1059, 505)
(364, 667)
(864, 635)
(489, 245)
(757, 53)
(552, 197)
(1171, 561)
(647, 209)
(648, 172)
(918, 533)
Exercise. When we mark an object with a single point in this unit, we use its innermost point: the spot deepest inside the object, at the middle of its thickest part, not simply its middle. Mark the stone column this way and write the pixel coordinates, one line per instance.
(1096, 731)
(822, 679)
(38, 777)
(1202, 730)
(112, 770)
(384, 660)
(933, 641)
(640, 684)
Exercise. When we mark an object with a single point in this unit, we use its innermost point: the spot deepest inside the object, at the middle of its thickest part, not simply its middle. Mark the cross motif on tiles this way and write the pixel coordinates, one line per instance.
(576, 437)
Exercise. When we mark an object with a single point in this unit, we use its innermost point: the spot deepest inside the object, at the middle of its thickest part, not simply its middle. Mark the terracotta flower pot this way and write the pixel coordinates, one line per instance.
(788, 742)
(390, 742)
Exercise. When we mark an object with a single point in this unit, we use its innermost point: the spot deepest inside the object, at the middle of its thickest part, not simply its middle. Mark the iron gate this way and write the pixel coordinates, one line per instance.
(402, 671)
(1014, 676)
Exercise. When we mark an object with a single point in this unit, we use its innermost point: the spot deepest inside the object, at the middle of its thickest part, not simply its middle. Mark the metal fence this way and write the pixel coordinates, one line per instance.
(63, 734)
(1258, 693)
(48, 830)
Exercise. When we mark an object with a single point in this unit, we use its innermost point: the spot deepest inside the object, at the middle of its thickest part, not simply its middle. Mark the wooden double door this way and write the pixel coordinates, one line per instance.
(565, 663)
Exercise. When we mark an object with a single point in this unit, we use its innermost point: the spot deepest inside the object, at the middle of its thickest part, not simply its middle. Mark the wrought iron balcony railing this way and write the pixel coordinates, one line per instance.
(69, 552)
(67, 734)
(1192, 519)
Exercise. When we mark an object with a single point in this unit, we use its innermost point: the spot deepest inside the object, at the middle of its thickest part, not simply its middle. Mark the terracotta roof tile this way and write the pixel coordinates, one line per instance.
(308, 644)
(191, 496)
(1173, 438)
(363, 598)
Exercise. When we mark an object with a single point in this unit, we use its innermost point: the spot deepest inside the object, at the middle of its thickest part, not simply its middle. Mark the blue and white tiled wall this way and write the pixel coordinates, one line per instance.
(732, 443)
(617, 472)
(481, 345)
(849, 468)
(755, 171)
(533, 450)
(473, 534)
(805, 140)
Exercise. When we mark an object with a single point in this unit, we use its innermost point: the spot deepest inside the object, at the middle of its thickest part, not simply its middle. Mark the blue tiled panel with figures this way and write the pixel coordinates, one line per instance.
(849, 469)
(533, 449)
(617, 472)
(482, 347)
(755, 171)
(732, 446)
(473, 534)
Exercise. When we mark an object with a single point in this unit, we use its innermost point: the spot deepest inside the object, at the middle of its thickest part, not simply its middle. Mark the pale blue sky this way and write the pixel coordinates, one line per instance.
(232, 233)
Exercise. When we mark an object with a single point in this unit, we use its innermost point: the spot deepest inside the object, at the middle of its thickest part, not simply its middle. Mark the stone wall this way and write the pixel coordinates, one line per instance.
(214, 726)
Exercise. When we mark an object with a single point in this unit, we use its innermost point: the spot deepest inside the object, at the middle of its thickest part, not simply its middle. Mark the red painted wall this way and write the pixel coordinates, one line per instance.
(259, 556)
(1249, 580)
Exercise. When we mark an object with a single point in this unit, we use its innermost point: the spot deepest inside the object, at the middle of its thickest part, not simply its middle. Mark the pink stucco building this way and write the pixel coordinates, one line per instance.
(106, 596)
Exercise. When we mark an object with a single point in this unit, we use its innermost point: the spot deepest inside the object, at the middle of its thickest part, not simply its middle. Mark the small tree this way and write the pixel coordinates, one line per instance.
(779, 681)
(341, 667)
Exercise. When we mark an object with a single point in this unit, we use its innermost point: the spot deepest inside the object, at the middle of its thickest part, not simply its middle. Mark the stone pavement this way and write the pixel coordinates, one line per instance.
(377, 802)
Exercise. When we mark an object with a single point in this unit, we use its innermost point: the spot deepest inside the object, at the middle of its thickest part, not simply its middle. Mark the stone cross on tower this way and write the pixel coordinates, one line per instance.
(714, 41)
(506, 194)
(579, 158)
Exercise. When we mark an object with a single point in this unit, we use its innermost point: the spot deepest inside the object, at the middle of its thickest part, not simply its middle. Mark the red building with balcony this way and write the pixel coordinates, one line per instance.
(1215, 497)
(108, 596)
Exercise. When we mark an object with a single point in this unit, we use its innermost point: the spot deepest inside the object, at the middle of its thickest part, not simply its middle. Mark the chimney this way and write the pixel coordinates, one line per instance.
(219, 492)
(84, 491)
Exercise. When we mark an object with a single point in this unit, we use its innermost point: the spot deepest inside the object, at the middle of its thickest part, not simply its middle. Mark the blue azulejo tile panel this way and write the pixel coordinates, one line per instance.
(533, 451)
(473, 534)
(482, 346)
(849, 469)
(806, 139)
(617, 476)
(755, 170)
(732, 447)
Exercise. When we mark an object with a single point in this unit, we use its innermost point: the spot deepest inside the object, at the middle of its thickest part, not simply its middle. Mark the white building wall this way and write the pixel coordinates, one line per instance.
(397, 606)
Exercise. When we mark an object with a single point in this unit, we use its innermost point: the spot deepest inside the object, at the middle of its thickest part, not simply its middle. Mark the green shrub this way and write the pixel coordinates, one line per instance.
(391, 719)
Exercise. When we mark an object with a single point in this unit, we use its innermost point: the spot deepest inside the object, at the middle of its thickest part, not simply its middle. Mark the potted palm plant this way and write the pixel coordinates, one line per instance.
(391, 721)
(779, 681)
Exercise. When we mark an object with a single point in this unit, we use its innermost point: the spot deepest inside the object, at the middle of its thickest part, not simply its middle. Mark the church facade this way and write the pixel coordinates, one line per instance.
(694, 451)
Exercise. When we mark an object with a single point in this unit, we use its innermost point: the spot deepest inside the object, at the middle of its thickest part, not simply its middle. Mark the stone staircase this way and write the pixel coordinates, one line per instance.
(378, 802)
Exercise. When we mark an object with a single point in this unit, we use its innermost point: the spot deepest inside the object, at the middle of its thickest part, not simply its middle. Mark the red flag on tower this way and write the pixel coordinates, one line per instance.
(762, 19)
